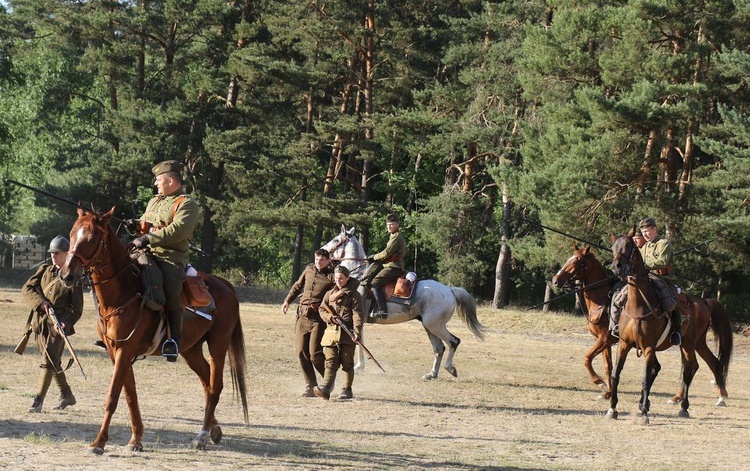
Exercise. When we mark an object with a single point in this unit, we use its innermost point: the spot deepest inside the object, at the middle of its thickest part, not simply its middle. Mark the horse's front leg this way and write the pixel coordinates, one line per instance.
(119, 372)
(622, 355)
(136, 422)
(359, 365)
(600, 346)
(649, 376)
(438, 348)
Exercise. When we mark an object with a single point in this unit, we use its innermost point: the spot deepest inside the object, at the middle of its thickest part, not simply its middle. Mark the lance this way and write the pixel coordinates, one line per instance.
(568, 235)
(55, 197)
(695, 247)
(575, 291)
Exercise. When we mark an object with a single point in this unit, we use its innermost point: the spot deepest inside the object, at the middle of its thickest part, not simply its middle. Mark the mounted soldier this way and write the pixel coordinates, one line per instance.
(385, 266)
(166, 227)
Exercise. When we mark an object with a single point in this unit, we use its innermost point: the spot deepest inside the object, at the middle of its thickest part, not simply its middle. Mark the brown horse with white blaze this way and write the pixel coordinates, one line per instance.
(130, 330)
(703, 314)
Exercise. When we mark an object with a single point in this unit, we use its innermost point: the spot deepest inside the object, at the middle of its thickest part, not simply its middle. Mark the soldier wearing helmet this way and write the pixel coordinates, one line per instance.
(45, 294)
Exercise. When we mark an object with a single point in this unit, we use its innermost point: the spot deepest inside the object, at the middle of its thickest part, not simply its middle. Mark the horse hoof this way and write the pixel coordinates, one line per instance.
(429, 376)
(135, 447)
(96, 450)
(643, 420)
(199, 443)
(452, 371)
(359, 369)
(683, 414)
(722, 402)
(216, 435)
(674, 400)
(611, 414)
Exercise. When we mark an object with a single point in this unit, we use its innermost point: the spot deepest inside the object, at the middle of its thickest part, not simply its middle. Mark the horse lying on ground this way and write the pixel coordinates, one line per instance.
(703, 313)
(130, 330)
(431, 302)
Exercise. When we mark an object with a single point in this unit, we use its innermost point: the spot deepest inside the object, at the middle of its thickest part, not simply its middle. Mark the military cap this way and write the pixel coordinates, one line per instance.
(342, 269)
(167, 166)
(393, 217)
(648, 222)
(59, 244)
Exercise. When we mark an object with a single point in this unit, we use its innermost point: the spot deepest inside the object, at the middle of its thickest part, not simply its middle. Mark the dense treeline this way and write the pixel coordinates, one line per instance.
(475, 120)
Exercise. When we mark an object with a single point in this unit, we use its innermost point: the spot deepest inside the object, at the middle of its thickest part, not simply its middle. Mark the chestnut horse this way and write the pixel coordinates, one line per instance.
(704, 313)
(643, 326)
(130, 330)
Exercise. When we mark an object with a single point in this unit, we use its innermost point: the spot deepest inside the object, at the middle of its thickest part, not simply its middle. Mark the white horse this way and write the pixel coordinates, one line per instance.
(431, 302)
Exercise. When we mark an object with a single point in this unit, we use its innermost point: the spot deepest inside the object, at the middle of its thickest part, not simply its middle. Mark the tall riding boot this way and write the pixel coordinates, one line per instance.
(346, 391)
(171, 349)
(382, 311)
(324, 391)
(45, 378)
(66, 395)
(676, 337)
(614, 320)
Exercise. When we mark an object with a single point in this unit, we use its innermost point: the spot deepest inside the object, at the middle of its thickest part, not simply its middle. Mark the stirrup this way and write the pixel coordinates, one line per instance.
(170, 350)
(378, 315)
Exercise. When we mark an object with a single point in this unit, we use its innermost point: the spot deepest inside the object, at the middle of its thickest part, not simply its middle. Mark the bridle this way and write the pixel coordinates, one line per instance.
(340, 246)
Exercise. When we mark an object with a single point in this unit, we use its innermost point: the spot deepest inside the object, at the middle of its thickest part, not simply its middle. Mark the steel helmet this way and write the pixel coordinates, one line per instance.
(59, 244)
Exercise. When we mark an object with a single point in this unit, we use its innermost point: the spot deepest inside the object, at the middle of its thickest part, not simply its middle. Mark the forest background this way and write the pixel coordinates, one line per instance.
(476, 121)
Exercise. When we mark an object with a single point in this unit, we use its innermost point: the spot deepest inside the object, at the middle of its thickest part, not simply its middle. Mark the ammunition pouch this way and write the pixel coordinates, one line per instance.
(331, 337)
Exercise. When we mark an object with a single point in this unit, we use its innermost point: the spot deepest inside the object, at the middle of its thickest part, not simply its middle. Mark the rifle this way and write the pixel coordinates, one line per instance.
(705, 242)
(60, 329)
(21, 347)
(575, 291)
(568, 235)
(356, 340)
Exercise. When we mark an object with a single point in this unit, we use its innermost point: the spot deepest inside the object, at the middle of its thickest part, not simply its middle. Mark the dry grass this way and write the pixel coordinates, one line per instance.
(522, 401)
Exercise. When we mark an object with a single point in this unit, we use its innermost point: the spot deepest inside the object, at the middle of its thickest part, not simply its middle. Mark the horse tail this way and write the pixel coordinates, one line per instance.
(238, 359)
(466, 307)
(723, 336)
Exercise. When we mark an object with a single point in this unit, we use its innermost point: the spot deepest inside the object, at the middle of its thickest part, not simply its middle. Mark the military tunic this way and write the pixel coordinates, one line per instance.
(657, 256)
(391, 259)
(311, 286)
(337, 345)
(45, 285)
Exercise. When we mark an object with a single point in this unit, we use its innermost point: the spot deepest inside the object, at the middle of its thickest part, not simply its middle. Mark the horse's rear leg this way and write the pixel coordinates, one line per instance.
(131, 397)
(713, 364)
(438, 348)
(211, 378)
(689, 368)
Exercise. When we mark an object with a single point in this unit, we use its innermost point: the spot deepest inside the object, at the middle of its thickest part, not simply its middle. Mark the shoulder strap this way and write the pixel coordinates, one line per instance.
(176, 204)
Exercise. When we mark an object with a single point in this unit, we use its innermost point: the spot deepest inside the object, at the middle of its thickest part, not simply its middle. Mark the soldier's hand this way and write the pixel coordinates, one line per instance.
(44, 306)
(284, 307)
(140, 242)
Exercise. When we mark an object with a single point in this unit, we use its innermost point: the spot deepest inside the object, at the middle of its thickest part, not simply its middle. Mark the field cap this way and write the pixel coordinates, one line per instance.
(393, 217)
(167, 166)
(648, 222)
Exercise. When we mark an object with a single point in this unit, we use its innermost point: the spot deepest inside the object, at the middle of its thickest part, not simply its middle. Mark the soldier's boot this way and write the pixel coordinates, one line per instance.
(324, 391)
(382, 309)
(171, 347)
(45, 378)
(66, 395)
(676, 337)
(614, 321)
(308, 392)
(346, 391)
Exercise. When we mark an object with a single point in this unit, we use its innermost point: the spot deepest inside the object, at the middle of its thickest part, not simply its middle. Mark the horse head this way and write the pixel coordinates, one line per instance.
(574, 268)
(90, 239)
(626, 258)
(346, 249)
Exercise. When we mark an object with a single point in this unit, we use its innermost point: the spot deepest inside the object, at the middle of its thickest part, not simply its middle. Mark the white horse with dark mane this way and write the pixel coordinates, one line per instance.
(431, 302)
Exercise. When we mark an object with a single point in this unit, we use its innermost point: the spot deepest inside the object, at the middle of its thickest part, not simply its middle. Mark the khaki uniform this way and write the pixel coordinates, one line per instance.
(168, 236)
(657, 256)
(45, 285)
(311, 286)
(389, 264)
(337, 345)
